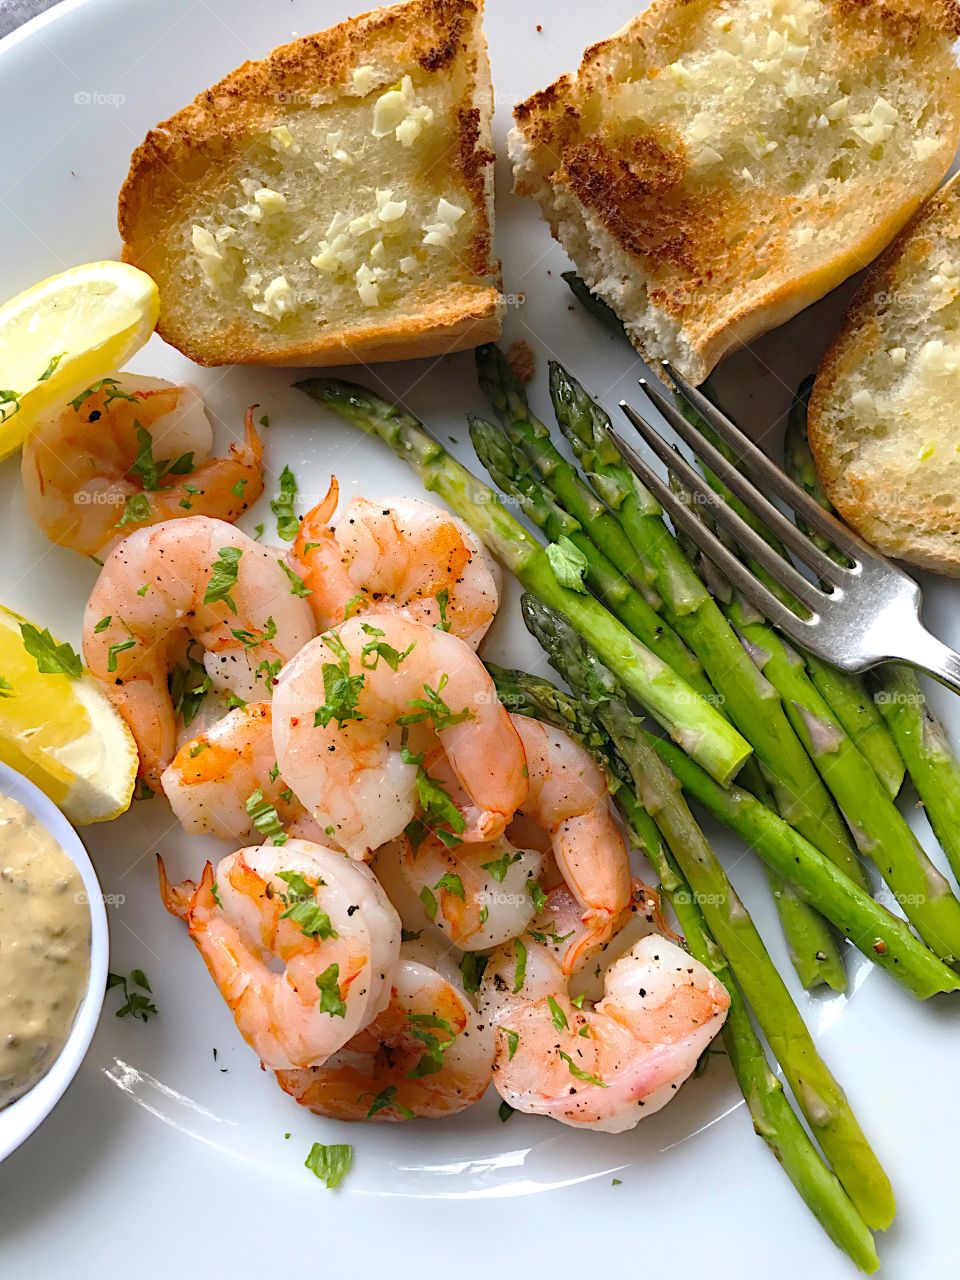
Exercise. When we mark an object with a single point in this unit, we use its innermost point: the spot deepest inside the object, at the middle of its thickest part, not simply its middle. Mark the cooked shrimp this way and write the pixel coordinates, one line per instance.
(569, 799)
(321, 915)
(399, 555)
(427, 1054)
(478, 895)
(133, 451)
(337, 709)
(198, 579)
(213, 776)
(608, 1066)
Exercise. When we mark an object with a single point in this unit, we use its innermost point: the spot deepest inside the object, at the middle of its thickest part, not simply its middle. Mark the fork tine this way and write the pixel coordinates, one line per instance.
(760, 466)
(745, 489)
(708, 542)
(747, 538)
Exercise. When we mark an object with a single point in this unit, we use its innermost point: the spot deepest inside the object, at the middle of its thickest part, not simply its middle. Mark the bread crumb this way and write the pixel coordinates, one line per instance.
(521, 359)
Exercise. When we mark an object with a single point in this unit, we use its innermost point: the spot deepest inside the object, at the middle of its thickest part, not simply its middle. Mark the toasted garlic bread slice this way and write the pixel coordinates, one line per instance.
(885, 409)
(718, 165)
(330, 204)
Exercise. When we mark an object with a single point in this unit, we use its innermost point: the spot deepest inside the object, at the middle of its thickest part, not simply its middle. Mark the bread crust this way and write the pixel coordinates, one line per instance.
(923, 533)
(198, 143)
(674, 236)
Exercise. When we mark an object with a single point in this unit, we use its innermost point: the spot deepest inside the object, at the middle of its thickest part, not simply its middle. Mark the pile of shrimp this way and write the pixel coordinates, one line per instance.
(420, 886)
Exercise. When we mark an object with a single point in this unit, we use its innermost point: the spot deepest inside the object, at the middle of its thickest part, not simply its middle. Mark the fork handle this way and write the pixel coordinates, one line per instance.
(936, 658)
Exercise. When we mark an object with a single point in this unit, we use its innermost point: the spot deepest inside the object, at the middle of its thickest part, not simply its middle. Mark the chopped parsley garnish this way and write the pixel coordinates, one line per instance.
(148, 469)
(443, 599)
(429, 902)
(238, 488)
(557, 1015)
(513, 1040)
(579, 1073)
(288, 526)
(341, 690)
(452, 883)
(302, 907)
(434, 709)
(52, 367)
(577, 1001)
(375, 649)
(119, 647)
(136, 510)
(135, 1005)
(436, 808)
(297, 585)
(352, 605)
(264, 421)
(197, 747)
(257, 532)
(505, 1111)
(520, 967)
(6, 688)
(223, 577)
(387, 1098)
(331, 1164)
(422, 1027)
(409, 935)
(538, 896)
(568, 563)
(251, 639)
(9, 405)
(189, 686)
(113, 392)
(265, 817)
(103, 624)
(331, 1000)
(215, 894)
(500, 866)
(51, 658)
(472, 965)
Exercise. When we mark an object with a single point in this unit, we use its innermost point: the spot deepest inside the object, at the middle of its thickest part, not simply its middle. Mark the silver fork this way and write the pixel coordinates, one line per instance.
(860, 615)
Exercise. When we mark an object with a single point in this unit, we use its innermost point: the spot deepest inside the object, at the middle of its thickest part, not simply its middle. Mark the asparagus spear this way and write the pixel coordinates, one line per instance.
(505, 392)
(880, 830)
(686, 716)
(819, 1096)
(750, 701)
(510, 473)
(918, 736)
(934, 769)
(813, 951)
(846, 694)
(773, 1118)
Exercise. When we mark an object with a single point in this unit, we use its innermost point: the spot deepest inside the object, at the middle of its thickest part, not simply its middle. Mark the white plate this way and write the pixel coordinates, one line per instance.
(22, 1117)
(161, 1157)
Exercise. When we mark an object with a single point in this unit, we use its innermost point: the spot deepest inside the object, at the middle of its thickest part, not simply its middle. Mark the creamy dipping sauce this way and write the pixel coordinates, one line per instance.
(44, 949)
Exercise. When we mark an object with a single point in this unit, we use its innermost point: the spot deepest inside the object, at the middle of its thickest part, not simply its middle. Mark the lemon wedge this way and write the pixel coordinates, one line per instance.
(60, 336)
(62, 732)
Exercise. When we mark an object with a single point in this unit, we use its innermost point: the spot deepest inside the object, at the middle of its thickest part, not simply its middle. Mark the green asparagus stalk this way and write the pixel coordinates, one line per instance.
(749, 700)
(813, 951)
(773, 1117)
(686, 716)
(878, 826)
(934, 769)
(510, 472)
(505, 392)
(846, 694)
(819, 1096)
(883, 937)
(918, 736)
